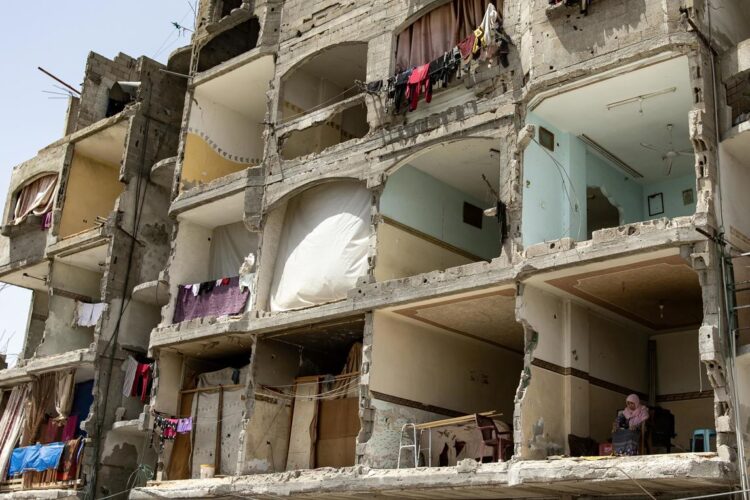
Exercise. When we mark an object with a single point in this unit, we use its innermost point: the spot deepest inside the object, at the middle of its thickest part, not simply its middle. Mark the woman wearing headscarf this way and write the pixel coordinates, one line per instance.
(626, 432)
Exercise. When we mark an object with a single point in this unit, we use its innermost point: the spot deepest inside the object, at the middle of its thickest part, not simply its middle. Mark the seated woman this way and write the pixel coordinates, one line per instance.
(626, 430)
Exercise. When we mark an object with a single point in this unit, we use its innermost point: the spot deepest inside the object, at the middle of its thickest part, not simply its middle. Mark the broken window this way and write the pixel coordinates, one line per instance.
(228, 44)
(629, 140)
(423, 206)
(323, 80)
(120, 95)
(349, 124)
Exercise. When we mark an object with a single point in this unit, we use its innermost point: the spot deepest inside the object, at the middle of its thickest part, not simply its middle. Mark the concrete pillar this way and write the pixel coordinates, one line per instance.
(576, 363)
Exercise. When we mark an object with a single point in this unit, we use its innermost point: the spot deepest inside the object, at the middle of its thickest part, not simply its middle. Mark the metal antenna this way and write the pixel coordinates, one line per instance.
(58, 80)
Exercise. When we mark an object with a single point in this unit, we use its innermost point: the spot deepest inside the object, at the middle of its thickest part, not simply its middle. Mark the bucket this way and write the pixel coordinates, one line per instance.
(207, 471)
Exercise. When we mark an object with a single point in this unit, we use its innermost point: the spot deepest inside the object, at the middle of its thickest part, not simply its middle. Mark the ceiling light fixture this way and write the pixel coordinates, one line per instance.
(640, 98)
(610, 157)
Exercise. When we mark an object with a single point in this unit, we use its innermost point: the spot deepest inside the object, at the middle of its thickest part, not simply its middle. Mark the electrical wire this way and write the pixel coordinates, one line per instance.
(574, 207)
(637, 483)
(714, 495)
(320, 105)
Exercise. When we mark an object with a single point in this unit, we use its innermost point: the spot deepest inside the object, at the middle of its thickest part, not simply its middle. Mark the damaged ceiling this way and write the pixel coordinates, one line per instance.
(106, 146)
(660, 294)
(487, 317)
(461, 164)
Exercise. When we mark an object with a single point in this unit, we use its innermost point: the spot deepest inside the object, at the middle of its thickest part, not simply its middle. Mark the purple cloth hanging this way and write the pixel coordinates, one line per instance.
(222, 300)
(184, 425)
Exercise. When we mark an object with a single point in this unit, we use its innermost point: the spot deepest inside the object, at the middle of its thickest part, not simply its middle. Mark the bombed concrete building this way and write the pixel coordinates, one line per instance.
(408, 249)
(86, 230)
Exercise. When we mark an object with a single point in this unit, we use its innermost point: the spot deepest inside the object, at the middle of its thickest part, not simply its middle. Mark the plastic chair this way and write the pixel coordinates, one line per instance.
(705, 435)
(491, 438)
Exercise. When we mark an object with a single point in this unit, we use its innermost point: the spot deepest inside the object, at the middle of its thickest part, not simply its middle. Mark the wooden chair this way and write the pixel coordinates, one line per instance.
(490, 438)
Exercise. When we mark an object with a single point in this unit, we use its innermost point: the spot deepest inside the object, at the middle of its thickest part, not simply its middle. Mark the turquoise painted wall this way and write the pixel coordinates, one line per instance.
(621, 189)
(547, 212)
(671, 189)
(422, 202)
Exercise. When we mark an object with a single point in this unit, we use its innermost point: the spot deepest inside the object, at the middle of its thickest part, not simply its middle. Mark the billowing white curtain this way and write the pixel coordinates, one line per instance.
(323, 248)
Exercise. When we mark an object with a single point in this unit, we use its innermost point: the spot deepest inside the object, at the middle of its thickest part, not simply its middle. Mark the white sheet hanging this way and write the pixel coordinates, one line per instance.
(230, 245)
(323, 249)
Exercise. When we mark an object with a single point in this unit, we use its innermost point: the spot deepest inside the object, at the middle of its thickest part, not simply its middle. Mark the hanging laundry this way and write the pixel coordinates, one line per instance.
(184, 425)
(142, 385)
(87, 314)
(374, 87)
(226, 299)
(466, 46)
(489, 24)
(37, 458)
(166, 427)
(399, 90)
(70, 428)
(247, 276)
(51, 432)
(206, 287)
(130, 366)
(418, 83)
(69, 461)
(46, 221)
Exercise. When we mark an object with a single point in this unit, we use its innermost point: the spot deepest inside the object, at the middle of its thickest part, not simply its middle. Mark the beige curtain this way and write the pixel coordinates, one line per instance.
(352, 367)
(439, 31)
(64, 382)
(35, 198)
(41, 398)
(10, 424)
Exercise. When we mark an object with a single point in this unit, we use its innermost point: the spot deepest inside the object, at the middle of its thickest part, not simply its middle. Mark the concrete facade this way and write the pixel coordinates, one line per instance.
(613, 142)
(114, 240)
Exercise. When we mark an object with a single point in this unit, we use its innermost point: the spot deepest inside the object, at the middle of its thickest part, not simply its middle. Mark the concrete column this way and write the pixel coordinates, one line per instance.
(576, 361)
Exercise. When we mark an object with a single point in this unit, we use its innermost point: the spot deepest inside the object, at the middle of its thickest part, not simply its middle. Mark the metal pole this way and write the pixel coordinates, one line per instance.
(58, 80)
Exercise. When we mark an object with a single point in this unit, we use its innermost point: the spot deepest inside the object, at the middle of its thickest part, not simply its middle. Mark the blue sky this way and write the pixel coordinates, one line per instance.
(58, 37)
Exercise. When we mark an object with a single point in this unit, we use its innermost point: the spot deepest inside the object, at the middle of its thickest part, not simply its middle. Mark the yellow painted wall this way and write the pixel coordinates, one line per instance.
(202, 164)
(92, 189)
(402, 254)
(543, 399)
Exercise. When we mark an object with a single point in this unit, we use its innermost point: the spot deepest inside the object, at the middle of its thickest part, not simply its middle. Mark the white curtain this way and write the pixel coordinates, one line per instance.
(323, 249)
(230, 245)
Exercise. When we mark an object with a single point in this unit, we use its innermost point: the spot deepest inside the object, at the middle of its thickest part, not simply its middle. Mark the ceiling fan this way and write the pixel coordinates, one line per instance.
(670, 154)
